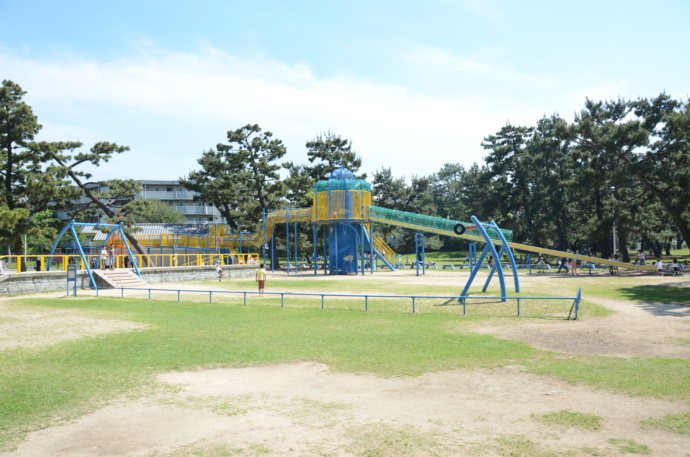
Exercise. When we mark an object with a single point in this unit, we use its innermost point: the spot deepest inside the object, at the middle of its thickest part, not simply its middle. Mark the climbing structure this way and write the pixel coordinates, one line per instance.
(339, 208)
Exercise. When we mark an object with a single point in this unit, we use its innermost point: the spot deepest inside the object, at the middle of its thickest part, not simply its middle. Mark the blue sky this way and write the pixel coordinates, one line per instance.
(414, 85)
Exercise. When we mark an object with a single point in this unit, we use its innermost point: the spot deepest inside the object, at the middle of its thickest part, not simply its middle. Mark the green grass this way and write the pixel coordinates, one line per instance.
(625, 288)
(569, 419)
(676, 423)
(518, 446)
(378, 286)
(662, 378)
(70, 377)
(219, 450)
(45, 385)
(381, 439)
(479, 307)
(629, 446)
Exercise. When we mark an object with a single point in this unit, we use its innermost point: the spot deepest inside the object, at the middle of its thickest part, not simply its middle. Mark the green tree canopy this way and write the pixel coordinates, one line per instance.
(640, 147)
(30, 183)
(328, 152)
(241, 177)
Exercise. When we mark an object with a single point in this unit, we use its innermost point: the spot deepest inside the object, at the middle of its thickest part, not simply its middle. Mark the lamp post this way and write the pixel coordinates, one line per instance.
(613, 192)
(242, 232)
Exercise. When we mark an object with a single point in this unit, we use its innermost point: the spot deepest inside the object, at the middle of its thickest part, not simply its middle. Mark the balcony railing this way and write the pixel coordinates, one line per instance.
(165, 195)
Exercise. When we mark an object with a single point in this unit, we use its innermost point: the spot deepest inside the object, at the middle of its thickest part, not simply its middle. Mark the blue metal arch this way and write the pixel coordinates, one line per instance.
(489, 247)
(70, 226)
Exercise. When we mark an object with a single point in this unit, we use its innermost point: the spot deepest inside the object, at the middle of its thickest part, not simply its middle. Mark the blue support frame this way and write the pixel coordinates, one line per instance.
(417, 236)
(70, 226)
(489, 247)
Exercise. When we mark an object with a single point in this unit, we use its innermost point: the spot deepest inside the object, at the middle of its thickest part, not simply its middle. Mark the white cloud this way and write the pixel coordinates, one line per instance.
(170, 106)
(448, 68)
(390, 126)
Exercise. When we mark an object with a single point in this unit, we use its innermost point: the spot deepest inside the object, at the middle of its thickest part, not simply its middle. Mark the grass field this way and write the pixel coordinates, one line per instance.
(51, 383)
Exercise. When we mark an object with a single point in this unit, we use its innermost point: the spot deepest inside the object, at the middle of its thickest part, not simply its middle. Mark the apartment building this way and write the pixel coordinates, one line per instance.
(175, 194)
(171, 192)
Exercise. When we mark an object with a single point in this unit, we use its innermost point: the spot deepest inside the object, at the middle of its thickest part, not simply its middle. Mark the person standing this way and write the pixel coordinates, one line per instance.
(563, 265)
(261, 279)
(111, 257)
(676, 267)
(219, 270)
(659, 267)
(640, 257)
(573, 266)
(612, 268)
(104, 257)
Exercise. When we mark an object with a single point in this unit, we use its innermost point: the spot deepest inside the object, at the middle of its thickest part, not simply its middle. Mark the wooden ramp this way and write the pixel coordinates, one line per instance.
(120, 278)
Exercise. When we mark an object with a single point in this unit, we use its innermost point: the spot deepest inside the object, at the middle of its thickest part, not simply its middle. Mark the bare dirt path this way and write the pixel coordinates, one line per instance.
(306, 409)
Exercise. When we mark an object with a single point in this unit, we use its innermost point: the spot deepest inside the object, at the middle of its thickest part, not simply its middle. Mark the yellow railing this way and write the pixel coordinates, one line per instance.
(61, 262)
(381, 246)
(207, 241)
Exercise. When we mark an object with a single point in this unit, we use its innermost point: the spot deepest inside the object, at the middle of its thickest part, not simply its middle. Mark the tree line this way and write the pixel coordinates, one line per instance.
(556, 184)
(620, 164)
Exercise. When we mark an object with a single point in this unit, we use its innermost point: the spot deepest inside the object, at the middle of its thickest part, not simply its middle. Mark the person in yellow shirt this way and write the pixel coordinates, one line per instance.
(261, 279)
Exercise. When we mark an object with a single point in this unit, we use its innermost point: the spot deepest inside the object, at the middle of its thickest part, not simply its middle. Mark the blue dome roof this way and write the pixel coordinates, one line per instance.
(341, 173)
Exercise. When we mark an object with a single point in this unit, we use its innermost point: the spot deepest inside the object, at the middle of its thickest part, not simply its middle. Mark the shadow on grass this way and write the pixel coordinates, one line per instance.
(661, 300)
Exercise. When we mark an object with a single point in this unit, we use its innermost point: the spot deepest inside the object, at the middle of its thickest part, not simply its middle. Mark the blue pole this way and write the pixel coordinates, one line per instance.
(501, 278)
(314, 234)
(129, 251)
(57, 240)
(416, 252)
(511, 258)
(493, 269)
(473, 273)
(423, 255)
(325, 254)
(84, 259)
(263, 238)
(371, 247)
(287, 240)
(361, 246)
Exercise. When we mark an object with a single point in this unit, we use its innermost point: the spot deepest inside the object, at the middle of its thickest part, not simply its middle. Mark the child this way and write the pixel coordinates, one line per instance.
(563, 265)
(261, 279)
(675, 266)
(219, 270)
(612, 268)
(659, 267)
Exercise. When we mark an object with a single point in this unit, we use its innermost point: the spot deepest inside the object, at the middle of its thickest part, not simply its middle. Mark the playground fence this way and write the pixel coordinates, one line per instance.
(392, 303)
(61, 262)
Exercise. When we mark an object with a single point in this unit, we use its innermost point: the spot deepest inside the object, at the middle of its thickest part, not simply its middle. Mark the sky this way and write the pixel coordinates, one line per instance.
(413, 85)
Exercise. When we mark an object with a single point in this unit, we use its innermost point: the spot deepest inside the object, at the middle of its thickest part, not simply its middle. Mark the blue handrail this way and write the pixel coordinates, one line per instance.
(575, 306)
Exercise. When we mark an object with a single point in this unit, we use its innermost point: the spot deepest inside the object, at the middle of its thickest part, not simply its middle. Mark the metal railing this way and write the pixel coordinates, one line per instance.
(11, 263)
(462, 301)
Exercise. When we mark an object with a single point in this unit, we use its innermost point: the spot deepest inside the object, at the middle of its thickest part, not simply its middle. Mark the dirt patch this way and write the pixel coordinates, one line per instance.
(634, 330)
(305, 409)
(26, 326)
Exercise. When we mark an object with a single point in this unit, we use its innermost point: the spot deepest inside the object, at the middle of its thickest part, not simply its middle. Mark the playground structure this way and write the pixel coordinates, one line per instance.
(343, 216)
